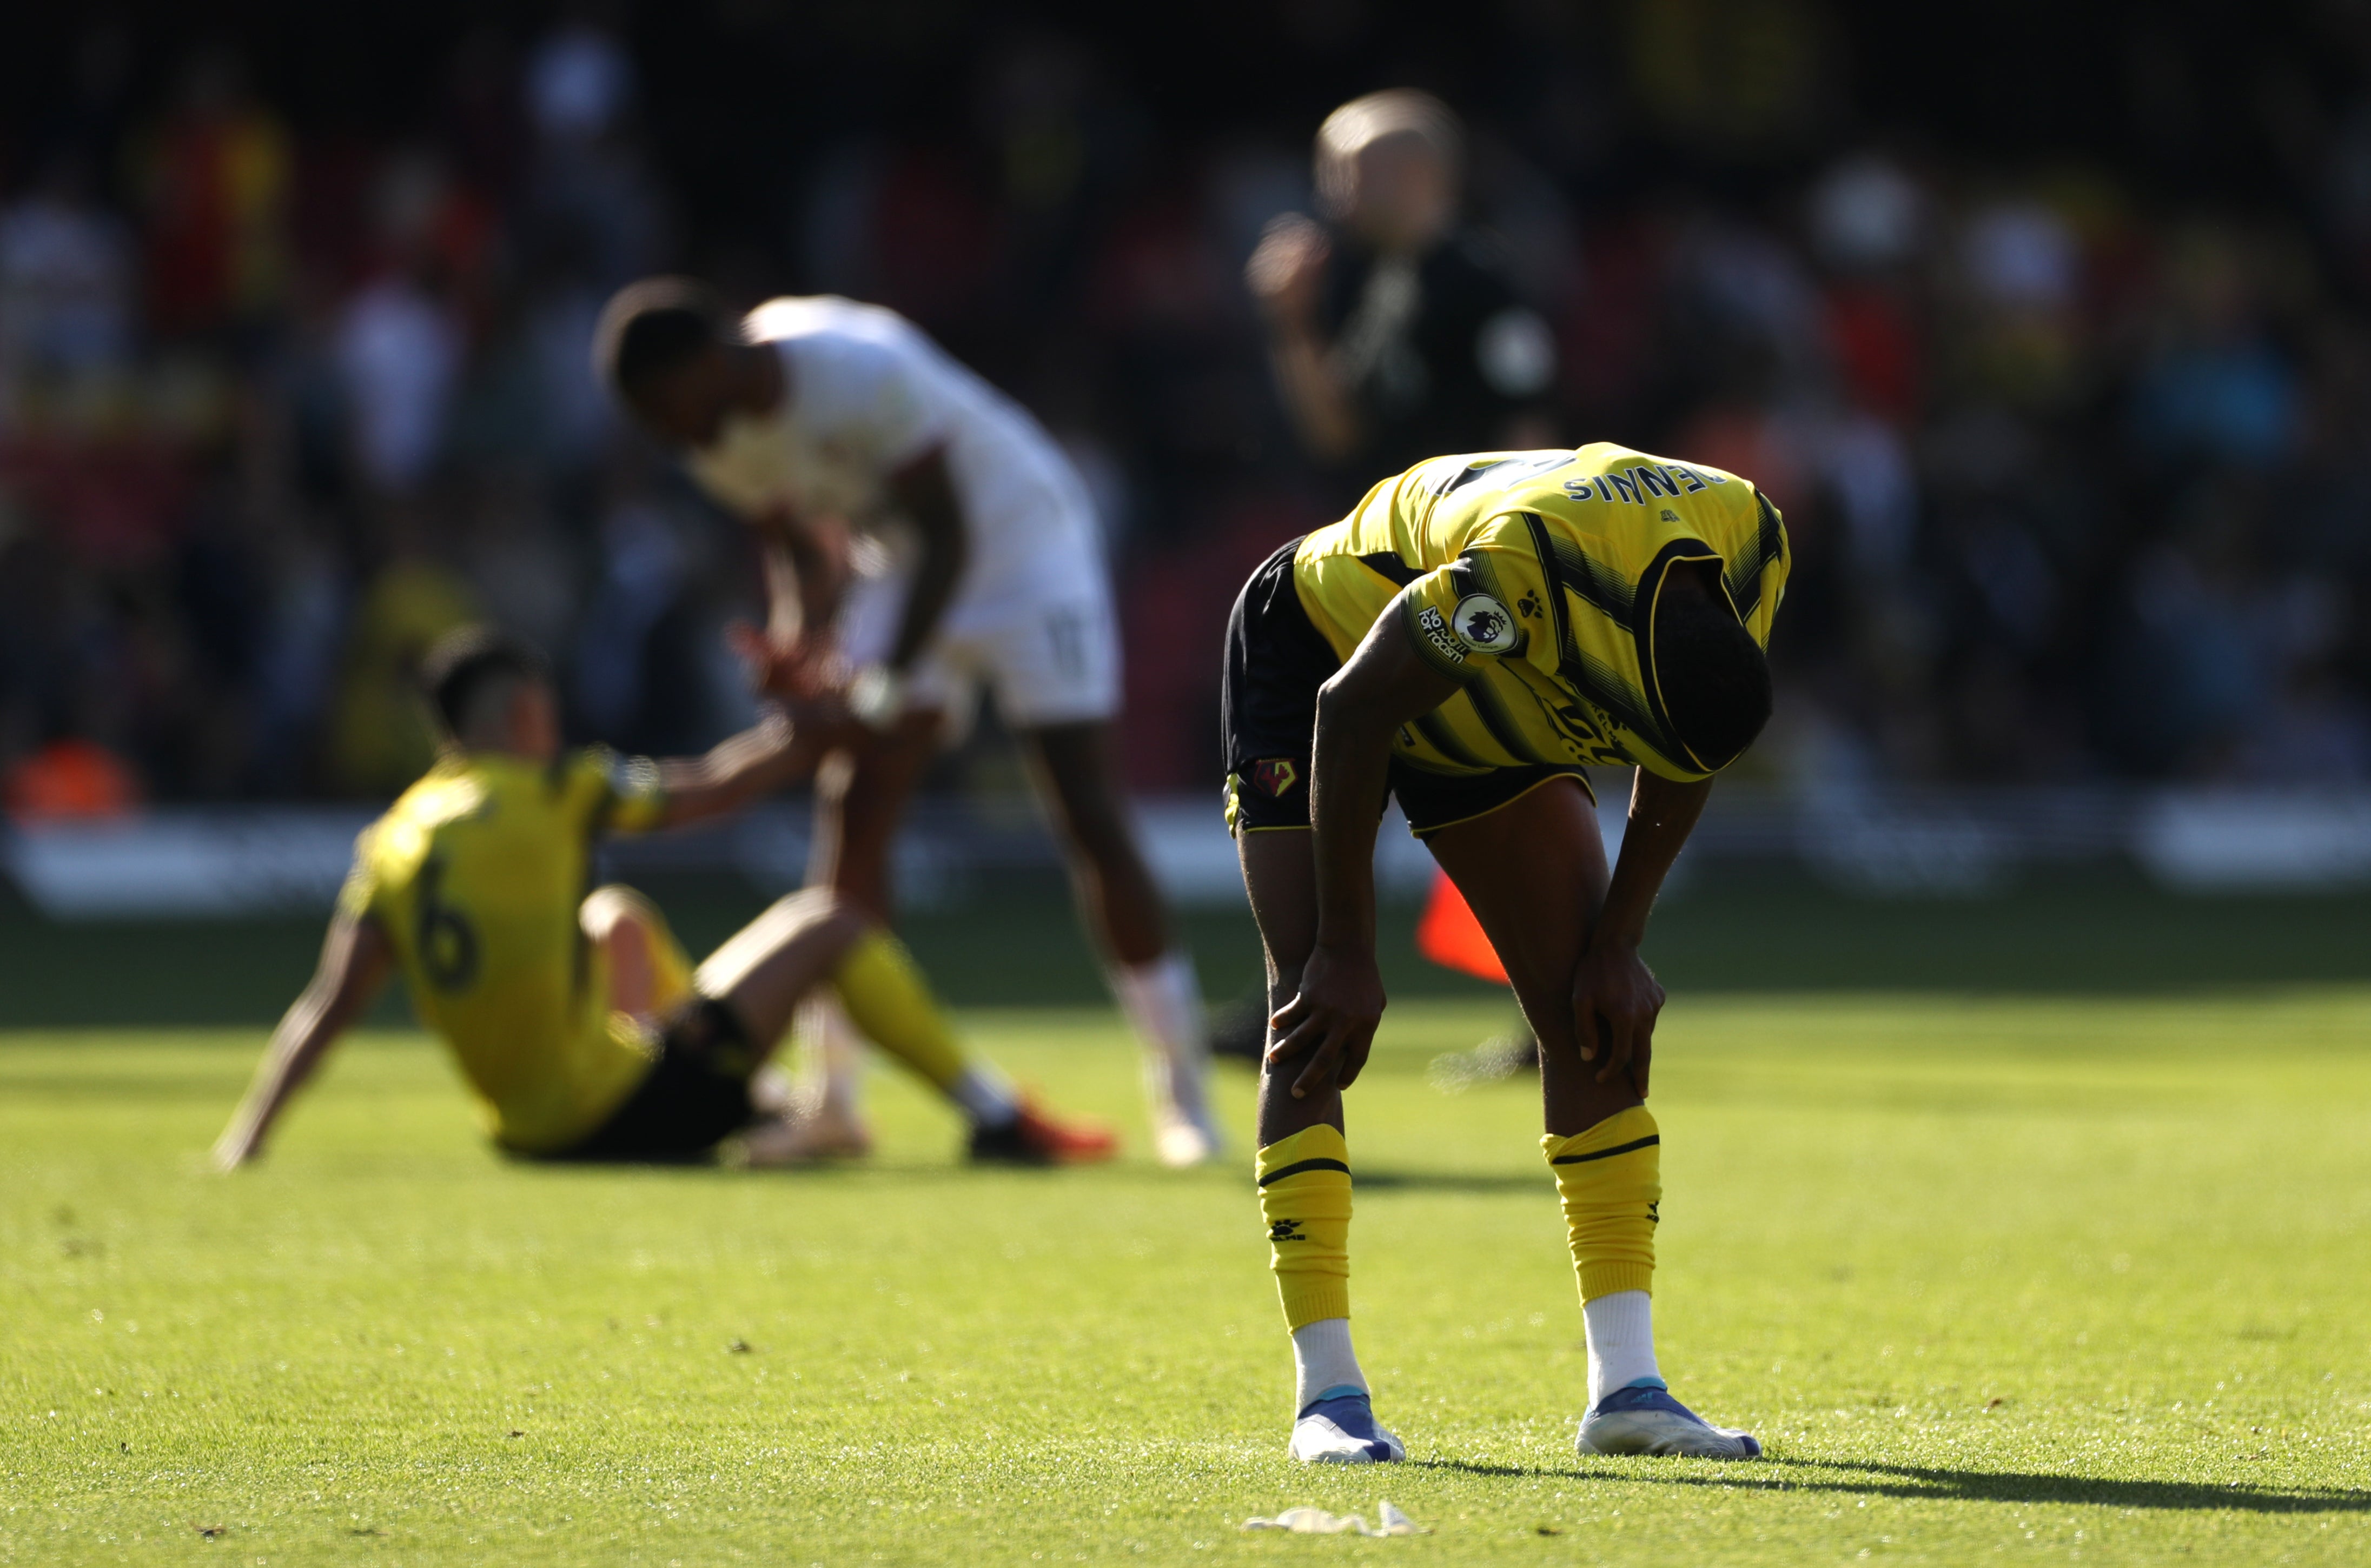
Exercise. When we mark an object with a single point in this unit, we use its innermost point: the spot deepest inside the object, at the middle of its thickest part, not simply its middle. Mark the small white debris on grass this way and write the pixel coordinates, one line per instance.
(1317, 1521)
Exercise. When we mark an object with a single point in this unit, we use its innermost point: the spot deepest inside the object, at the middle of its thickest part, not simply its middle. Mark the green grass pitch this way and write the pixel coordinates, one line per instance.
(1995, 1280)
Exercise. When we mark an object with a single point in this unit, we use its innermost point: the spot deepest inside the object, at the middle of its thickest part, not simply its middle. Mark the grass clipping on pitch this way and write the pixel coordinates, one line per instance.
(2050, 1279)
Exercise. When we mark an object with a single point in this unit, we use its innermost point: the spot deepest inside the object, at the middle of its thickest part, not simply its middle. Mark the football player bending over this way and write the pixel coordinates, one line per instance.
(583, 1030)
(842, 435)
(1473, 634)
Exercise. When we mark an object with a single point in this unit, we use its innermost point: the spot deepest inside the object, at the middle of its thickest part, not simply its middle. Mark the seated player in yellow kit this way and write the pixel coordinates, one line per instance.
(583, 1030)
(1480, 629)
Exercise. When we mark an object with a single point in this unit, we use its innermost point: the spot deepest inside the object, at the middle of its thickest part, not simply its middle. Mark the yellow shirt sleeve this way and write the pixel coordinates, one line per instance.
(1490, 602)
(360, 893)
(609, 793)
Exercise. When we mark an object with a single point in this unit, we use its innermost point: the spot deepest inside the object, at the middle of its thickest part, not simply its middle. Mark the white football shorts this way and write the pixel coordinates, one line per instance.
(1048, 656)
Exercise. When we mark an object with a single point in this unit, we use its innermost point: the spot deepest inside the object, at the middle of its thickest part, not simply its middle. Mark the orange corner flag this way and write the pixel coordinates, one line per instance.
(1452, 937)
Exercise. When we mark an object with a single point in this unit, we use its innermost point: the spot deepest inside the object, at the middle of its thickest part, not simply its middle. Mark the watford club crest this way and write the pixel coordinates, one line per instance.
(1274, 775)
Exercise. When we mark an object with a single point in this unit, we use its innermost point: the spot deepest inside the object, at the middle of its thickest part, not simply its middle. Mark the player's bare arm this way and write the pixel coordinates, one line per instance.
(772, 754)
(356, 959)
(1615, 998)
(807, 579)
(1340, 1000)
(1286, 275)
(805, 568)
(925, 492)
(804, 582)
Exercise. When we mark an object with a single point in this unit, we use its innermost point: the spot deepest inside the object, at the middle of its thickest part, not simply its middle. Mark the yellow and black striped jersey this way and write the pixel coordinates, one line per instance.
(474, 875)
(1531, 579)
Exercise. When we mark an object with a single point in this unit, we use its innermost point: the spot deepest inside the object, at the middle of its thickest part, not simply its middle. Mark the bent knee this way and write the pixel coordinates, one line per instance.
(845, 924)
(808, 903)
(812, 915)
(823, 910)
(612, 904)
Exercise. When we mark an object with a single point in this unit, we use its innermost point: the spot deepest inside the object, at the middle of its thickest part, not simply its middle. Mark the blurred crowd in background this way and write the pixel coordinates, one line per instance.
(2070, 444)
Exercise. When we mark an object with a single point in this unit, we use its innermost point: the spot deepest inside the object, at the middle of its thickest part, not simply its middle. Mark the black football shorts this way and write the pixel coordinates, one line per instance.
(695, 1096)
(1267, 707)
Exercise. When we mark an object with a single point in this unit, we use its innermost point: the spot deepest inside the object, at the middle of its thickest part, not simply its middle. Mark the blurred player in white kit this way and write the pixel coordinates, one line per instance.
(923, 538)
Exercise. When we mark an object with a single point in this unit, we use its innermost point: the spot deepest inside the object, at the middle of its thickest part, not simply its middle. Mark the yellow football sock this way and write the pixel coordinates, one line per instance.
(1610, 1178)
(891, 1005)
(1304, 1189)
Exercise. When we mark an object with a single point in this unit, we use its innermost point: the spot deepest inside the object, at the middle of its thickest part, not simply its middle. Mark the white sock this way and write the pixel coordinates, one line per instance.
(1621, 1343)
(835, 1056)
(986, 1097)
(1322, 1361)
(1163, 1000)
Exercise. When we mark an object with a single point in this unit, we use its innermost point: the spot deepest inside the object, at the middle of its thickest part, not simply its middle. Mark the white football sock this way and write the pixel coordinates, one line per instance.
(835, 1056)
(1621, 1343)
(986, 1097)
(1163, 1000)
(1322, 1361)
(836, 1053)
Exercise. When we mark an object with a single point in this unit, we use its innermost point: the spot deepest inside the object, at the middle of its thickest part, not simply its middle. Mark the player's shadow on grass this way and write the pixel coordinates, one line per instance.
(889, 1170)
(1371, 1181)
(1929, 1483)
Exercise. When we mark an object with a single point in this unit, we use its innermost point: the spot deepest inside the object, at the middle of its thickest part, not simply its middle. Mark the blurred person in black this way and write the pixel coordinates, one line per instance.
(1393, 328)
(1395, 333)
